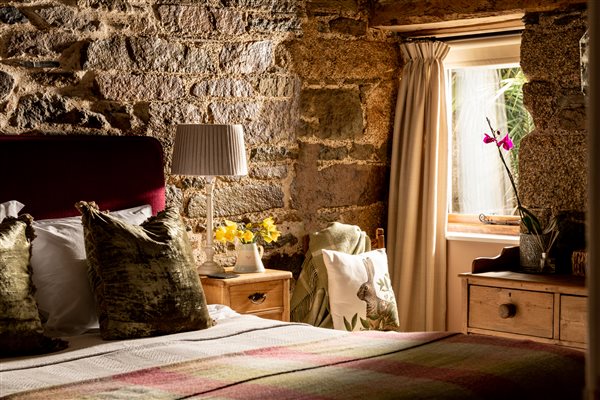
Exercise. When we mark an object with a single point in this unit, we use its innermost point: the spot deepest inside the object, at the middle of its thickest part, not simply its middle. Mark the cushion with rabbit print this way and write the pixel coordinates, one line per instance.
(360, 291)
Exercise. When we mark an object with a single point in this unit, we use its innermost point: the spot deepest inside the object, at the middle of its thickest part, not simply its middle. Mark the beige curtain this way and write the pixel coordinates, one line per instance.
(416, 242)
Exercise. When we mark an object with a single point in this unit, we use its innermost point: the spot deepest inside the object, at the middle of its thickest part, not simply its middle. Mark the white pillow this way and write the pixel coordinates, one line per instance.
(360, 292)
(10, 208)
(60, 272)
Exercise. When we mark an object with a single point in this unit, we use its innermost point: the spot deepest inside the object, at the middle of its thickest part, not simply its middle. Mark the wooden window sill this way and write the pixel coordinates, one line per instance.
(467, 223)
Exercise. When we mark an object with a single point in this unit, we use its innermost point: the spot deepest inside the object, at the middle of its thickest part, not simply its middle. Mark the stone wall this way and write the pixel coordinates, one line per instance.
(312, 84)
(553, 158)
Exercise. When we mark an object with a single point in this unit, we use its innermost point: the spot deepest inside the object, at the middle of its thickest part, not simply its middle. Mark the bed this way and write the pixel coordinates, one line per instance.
(244, 356)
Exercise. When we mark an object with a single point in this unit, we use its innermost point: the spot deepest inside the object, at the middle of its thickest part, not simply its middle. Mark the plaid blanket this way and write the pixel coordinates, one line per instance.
(359, 365)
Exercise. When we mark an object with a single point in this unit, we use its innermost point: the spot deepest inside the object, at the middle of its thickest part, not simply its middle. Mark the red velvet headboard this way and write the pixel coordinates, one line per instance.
(49, 174)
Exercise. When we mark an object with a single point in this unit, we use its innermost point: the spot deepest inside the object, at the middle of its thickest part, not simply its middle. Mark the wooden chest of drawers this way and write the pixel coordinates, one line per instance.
(265, 294)
(545, 308)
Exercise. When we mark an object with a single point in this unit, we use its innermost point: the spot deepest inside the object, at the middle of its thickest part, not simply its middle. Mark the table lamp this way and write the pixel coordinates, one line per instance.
(209, 151)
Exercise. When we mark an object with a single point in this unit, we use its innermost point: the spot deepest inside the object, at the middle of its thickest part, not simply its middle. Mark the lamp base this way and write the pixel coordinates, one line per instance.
(209, 268)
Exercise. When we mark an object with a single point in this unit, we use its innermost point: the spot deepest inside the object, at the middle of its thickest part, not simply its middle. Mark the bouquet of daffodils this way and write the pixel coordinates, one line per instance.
(250, 232)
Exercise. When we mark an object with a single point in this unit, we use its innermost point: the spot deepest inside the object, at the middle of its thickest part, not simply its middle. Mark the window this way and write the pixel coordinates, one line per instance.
(483, 80)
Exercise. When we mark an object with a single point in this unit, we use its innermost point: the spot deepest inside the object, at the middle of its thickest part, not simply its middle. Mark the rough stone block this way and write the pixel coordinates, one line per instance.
(348, 26)
(37, 43)
(368, 152)
(380, 101)
(292, 23)
(140, 23)
(174, 197)
(332, 5)
(35, 109)
(320, 59)
(269, 172)
(118, 115)
(338, 185)
(572, 113)
(276, 123)
(185, 19)
(139, 87)
(553, 171)
(11, 15)
(108, 54)
(67, 18)
(268, 153)
(551, 53)
(332, 153)
(225, 113)
(553, 107)
(279, 86)
(246, 58)
(332, 113)
(230, 22)
(280, 6)
(7, 83)
(538, 98)
(237, 200)
(161, 117)
(225, 87)
(146, 54)
(110, 5)
(55, 78)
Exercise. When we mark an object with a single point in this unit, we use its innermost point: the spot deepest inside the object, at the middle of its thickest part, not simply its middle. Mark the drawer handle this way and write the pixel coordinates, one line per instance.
(257, 298)
(507, 310)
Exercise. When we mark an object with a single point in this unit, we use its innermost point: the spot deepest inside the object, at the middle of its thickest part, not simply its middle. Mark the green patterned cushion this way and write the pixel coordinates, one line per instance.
(20, 326)
(144, 277)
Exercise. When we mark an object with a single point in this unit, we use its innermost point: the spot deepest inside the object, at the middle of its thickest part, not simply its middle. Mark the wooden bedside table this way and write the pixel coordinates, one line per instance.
(265, 294)
(544, 308)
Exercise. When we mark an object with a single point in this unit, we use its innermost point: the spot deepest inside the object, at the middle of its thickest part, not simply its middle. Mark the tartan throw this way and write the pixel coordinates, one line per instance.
(360, 365)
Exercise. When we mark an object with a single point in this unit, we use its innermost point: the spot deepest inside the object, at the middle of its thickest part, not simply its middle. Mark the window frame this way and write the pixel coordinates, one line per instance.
(499, 51)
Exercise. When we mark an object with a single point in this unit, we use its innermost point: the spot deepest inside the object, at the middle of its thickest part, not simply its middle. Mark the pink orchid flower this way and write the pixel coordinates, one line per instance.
(506, 143)
(488, 139)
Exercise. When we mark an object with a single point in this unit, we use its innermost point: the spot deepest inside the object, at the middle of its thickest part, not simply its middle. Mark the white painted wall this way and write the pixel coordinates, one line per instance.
(461, 250)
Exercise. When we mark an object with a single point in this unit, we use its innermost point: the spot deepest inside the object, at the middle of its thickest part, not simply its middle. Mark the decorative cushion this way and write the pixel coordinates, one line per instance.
(10, 208)
(20, 326)
(144, 277)
(360, 292)
(60, 272)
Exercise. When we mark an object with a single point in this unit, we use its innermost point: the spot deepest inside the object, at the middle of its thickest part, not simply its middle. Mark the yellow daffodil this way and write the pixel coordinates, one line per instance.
(268, 223)
(247, 237)
(248, 232)
(220, 234)
(227, 232)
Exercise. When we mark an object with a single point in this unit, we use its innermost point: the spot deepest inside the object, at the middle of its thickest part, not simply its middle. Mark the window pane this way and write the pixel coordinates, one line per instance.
(479, 183)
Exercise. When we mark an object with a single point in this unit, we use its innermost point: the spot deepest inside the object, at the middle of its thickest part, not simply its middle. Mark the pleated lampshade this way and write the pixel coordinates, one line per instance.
(209, 150)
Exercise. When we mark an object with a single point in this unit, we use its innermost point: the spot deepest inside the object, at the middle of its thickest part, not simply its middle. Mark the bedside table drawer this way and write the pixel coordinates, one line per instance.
(257, 296)
(573, 318)
(510, 310)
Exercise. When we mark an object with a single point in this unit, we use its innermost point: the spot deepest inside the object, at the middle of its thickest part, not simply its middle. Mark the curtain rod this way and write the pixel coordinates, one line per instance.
(459, 37)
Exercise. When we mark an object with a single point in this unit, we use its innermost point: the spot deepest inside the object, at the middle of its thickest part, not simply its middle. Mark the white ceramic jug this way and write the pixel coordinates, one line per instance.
(249, 258)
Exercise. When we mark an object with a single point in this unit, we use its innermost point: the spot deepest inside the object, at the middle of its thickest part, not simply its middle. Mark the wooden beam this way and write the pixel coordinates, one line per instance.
(473, 26)
(387, 13)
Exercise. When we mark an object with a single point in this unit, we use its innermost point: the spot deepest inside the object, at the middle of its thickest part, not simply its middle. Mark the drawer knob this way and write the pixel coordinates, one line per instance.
(507, 310)
(257, 298)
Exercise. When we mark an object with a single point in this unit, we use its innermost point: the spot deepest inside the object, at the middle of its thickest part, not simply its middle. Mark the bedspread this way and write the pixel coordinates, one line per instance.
(246, 357)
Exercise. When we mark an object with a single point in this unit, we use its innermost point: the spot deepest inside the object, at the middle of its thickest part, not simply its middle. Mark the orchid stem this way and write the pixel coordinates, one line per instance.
(512, 181)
